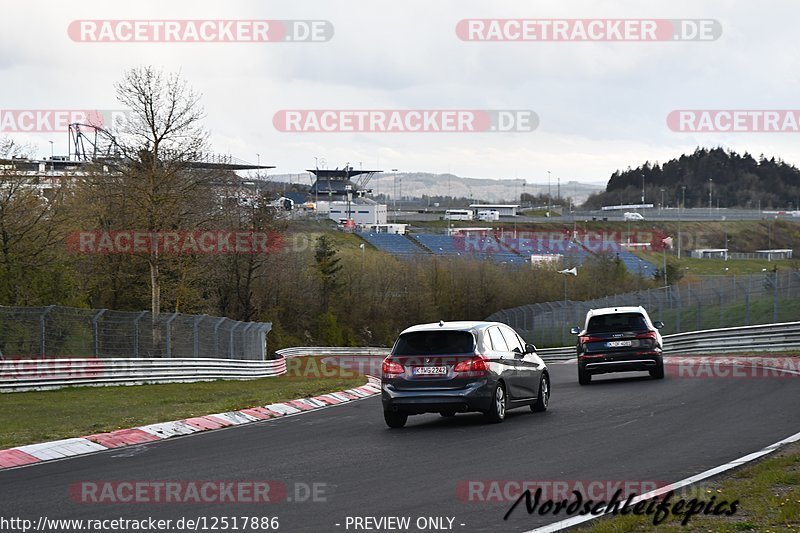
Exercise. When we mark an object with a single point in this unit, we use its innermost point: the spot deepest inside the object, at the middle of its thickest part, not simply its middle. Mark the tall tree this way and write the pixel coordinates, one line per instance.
(328, 267)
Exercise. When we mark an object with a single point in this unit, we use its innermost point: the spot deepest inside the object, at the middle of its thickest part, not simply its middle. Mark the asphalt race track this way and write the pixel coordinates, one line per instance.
(621, 427)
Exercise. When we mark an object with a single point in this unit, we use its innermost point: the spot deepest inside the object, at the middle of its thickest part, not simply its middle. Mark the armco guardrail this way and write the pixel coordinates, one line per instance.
(315, 351)
(41, 374)
(556, 354)
(770, 337)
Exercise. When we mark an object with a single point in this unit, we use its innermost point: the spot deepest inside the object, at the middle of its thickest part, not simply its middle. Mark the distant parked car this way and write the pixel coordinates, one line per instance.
(619, 339)
(456, 367)
(633, 216)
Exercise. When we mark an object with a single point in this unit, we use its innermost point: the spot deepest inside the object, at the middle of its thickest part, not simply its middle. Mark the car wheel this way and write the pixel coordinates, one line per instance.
(448, 414)
(497, 412)
(584, 378)
(395, 420)
(658, 372)
(544, 395)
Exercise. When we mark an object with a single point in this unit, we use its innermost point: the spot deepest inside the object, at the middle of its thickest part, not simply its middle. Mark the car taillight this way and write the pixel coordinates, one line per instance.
(476, 364)
(392, 368)
(587, 340)
(648, 335)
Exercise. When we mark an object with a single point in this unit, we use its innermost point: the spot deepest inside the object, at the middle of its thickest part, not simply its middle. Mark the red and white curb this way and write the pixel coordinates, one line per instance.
(60, 449)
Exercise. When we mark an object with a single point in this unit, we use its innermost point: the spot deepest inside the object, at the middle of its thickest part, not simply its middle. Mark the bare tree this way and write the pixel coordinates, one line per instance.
(155, 183)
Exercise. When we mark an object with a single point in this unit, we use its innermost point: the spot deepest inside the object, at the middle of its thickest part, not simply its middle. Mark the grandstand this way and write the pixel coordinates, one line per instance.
(393, 243)
(440, 244)
(509, 248)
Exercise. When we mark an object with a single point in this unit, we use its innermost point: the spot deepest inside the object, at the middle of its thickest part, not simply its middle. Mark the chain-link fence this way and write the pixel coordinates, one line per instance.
(50, 332)
(712, 302)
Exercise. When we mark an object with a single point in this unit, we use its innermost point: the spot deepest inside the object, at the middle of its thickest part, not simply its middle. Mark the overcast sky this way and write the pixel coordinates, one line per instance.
(602, 106)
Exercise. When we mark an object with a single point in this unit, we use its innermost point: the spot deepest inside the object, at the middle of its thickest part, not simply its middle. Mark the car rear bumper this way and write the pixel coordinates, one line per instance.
(476, 396)
(633, 362)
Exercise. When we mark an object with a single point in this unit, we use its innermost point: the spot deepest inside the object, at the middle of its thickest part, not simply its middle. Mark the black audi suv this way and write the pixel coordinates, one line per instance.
(619, 339)
(457, 367)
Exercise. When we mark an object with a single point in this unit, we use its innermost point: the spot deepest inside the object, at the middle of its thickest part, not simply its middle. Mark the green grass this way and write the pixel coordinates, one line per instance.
(30, 417)
(768, 494)
(705, 267)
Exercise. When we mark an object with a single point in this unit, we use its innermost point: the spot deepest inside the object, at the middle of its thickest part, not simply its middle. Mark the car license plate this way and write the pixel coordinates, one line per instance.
(618, 344)
(430, 370)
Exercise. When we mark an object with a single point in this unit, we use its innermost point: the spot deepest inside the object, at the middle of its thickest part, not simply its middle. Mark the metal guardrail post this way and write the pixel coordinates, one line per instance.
(168, 327)
(43, 330)
(96, 332)
(136, 333)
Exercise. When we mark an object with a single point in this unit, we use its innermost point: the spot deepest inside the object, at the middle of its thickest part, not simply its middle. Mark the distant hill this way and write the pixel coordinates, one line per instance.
(737, 181)
(419, 184)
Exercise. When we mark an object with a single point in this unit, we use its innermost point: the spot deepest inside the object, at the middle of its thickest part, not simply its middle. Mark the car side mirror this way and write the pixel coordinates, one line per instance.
(530, 348)
(658, 324)
(575, 330)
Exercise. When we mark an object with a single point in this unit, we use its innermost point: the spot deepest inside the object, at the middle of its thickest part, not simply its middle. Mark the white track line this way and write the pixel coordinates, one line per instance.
(570, 522)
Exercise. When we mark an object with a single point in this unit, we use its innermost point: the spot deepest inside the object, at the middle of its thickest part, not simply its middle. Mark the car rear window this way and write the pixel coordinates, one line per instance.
(616, 322)
(434, 343)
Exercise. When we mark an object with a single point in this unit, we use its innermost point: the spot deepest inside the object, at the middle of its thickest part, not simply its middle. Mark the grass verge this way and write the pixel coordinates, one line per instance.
(769, 500)
(31, 417)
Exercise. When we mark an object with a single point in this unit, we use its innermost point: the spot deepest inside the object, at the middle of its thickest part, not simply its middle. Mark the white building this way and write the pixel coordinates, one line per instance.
(710, 253)
(361, 212)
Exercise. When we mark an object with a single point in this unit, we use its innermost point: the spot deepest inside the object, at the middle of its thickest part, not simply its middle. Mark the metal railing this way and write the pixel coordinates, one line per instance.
(316, 351)
(66, 332)
(780, 337)
(38, 374)
(712, 302)
(44, 374)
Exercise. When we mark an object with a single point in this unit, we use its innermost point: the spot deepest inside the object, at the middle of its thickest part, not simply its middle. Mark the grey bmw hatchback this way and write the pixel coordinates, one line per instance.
(459, 367)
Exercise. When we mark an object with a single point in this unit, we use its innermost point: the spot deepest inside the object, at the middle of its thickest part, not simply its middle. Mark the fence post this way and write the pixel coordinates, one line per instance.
(216, 337)
(168, 327)
(247, 341)
(95, 331)
(265, 329)
(196, 332)
(230, 346)
(136, 333)
(43, 330)
(775, 300)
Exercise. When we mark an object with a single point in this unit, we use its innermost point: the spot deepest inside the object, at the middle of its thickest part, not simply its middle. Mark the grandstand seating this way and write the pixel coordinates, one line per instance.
(393, 243)
(505, 249)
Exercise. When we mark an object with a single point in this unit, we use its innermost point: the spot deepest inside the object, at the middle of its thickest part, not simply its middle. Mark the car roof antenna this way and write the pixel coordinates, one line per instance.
(441, 323)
